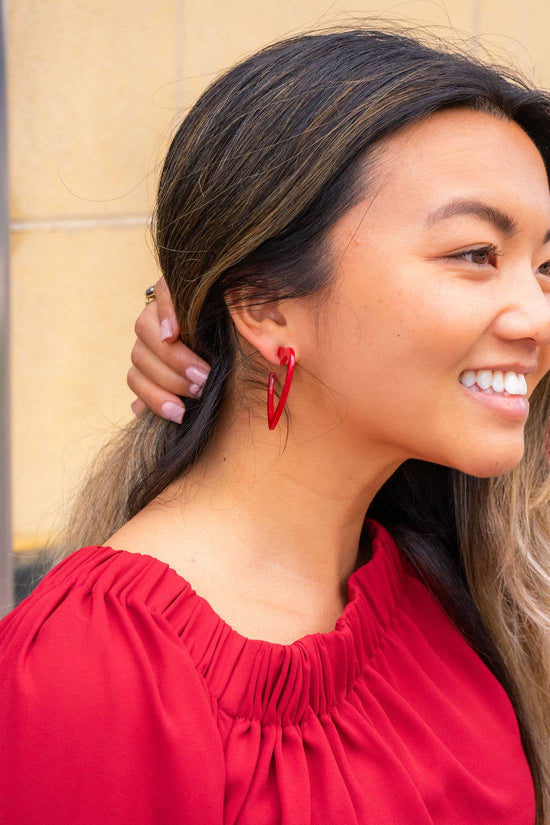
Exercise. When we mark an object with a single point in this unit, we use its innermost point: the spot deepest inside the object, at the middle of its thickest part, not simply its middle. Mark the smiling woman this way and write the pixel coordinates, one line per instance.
(414, 271)
(377, 211)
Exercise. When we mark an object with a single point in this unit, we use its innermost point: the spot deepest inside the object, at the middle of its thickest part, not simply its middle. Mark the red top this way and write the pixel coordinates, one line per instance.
(124, 698)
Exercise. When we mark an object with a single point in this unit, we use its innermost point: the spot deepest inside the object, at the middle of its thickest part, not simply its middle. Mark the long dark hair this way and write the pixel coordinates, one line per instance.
(269, 157)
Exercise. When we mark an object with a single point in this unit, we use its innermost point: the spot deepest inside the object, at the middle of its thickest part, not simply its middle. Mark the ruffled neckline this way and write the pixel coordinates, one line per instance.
(252, 678)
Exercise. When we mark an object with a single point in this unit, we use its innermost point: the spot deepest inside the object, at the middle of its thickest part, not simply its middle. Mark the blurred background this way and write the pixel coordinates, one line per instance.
(94, 91)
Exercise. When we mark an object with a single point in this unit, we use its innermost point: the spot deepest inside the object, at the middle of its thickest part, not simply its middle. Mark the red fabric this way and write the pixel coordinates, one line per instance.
(125, 699)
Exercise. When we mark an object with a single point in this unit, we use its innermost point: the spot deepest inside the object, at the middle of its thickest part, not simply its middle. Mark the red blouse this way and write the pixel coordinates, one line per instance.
(124, 698)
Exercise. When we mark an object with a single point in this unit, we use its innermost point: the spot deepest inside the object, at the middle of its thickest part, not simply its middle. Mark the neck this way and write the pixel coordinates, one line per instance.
(286, 509)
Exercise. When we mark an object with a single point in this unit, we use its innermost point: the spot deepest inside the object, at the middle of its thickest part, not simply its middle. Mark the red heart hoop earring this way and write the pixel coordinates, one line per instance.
(288, 359)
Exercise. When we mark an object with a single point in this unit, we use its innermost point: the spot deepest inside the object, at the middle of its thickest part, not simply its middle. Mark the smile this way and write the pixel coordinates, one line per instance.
(495, 382)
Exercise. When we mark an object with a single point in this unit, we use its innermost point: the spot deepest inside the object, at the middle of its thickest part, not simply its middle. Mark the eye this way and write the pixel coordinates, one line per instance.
(544, 269)
(480, 256)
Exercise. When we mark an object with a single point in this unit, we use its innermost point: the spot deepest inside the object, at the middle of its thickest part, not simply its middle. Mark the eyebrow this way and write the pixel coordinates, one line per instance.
(469, 206)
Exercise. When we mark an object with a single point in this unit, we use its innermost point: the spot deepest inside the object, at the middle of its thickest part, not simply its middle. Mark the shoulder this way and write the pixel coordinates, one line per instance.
(98, 690)
(97, 611)
(98, 629)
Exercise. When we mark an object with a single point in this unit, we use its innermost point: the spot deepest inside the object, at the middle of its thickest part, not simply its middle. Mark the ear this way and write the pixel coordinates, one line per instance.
(264, 326)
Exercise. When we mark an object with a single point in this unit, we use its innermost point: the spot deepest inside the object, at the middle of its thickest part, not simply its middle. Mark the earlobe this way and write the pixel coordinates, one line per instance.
(269, 330)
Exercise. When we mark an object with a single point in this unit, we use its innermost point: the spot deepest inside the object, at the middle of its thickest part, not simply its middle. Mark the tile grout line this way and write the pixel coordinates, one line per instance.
(53, 224)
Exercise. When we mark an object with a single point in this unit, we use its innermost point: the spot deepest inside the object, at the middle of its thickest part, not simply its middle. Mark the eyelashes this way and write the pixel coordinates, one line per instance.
(485, 255)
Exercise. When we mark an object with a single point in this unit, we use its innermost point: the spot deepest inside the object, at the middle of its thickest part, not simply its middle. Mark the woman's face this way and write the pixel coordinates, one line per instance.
(439, 325)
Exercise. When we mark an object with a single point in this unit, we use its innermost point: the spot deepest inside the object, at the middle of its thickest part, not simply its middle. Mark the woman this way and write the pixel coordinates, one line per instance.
(376, 213)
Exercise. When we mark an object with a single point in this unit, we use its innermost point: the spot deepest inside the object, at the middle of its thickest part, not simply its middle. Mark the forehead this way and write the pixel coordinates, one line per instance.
(460, 153)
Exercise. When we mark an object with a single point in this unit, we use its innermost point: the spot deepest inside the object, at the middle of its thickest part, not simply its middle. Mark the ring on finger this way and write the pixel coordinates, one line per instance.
(150, 295)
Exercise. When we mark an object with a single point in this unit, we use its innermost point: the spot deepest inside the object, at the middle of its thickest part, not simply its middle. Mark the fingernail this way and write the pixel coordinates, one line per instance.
(196, 375)
(173, 412)
(166, 330)
(135, 406)
(195, 390)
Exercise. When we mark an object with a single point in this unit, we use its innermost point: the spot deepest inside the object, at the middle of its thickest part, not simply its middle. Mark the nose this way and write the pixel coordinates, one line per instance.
(526, 312)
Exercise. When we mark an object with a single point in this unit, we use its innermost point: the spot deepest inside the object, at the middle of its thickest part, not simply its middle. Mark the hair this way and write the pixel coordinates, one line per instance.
(271, 155)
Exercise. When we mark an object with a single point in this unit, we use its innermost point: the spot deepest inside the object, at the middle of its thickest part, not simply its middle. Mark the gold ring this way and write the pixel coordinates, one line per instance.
(150, 295)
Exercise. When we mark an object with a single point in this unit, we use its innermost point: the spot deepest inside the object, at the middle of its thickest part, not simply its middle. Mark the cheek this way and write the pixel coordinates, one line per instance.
(426, 341)
(542, 368)
(412, 328)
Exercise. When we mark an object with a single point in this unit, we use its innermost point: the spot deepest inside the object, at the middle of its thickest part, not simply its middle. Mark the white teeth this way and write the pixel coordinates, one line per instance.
(484, 379)
(522, 385)
(468, 378)
(511, 383)
(498, 381)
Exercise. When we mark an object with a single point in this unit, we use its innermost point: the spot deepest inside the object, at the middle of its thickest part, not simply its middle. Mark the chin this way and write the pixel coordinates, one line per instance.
(486, 454)
(493, 463)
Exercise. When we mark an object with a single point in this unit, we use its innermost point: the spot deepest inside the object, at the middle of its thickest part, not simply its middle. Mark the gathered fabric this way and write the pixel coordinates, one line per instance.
(124, 698)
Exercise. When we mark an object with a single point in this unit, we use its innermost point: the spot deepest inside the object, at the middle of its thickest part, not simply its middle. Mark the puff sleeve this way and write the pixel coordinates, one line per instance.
(103, 718)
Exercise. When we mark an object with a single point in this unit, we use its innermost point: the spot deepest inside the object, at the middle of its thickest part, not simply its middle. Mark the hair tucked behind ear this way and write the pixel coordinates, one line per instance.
(270, 156)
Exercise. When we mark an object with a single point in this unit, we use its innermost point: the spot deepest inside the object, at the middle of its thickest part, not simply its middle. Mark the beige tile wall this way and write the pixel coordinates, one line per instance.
(93, 90)
(519, 29)
(75, 296)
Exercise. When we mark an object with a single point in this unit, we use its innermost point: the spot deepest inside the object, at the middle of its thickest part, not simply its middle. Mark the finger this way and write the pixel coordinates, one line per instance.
(179, 358)
(159, 401)
(169, 328)
(138, 406)
(158, 372)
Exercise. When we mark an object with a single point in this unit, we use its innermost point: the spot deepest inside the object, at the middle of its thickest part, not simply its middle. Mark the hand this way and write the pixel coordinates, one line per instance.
(163, 367)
